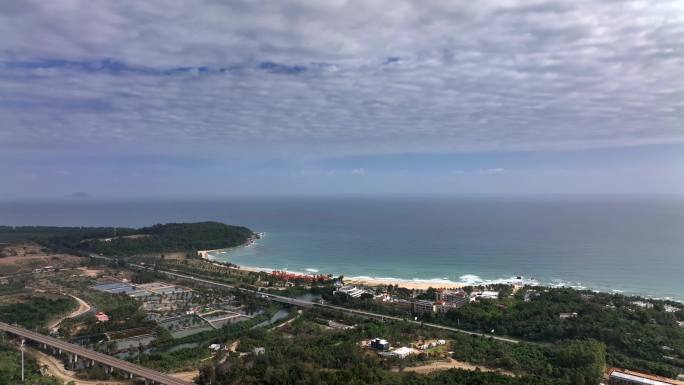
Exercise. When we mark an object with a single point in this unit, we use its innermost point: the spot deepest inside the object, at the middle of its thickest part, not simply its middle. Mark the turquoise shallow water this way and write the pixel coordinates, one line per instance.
(635, 245)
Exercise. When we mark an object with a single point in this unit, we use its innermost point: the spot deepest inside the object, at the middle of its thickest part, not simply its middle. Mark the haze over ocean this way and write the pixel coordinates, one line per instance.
(609, 243)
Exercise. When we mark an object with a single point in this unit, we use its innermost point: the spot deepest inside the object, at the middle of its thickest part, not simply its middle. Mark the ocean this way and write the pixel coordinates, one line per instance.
(633, 245)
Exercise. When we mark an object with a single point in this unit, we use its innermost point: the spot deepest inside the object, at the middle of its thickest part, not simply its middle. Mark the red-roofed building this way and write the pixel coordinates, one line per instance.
(285, 276)
(102, 317)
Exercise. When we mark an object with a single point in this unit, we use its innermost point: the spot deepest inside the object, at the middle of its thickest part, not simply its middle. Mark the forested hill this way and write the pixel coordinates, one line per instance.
(171, 237)
(13, 234)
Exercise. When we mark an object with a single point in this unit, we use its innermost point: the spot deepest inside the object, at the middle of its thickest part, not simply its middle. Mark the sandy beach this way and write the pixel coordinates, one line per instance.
(416, 284)
(407, 283)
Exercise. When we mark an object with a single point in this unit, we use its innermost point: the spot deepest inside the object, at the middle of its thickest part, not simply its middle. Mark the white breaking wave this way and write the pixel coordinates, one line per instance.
(470, 279)
(572, 285)
(464, 280)
(310, 270)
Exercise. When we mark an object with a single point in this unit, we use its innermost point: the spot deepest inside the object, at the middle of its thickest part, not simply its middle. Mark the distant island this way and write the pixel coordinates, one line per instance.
(116, 241)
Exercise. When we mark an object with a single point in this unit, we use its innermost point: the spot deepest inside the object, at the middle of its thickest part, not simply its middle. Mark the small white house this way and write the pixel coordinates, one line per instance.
(402, 352)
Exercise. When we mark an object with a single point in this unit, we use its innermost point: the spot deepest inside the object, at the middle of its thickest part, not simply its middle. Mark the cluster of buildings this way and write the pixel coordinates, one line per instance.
(425, 345)
(450, 299)
(385, 349)
(445, 299)
(308, 278)
(650, 305)
(155, 296)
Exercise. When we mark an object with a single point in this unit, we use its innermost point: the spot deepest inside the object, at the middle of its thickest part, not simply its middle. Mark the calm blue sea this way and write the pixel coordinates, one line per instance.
(629, 244)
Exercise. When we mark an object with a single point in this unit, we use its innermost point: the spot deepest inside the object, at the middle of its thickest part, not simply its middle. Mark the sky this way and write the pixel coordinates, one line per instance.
(219, 98)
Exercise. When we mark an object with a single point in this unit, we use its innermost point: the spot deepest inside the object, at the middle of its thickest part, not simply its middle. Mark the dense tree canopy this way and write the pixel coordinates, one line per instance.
(159, 238)
(35, 311)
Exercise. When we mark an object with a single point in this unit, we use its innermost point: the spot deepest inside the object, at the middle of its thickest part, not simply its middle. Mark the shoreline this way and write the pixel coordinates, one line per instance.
(415, 283)
(418, 284)
(426, 283)
(204, 254)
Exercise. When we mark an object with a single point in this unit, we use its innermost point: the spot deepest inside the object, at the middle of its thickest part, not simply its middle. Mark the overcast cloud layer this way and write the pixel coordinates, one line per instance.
(340, 77)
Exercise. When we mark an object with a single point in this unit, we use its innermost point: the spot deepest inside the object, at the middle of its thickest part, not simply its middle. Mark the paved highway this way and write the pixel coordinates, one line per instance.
(83, 353)
(302, 303)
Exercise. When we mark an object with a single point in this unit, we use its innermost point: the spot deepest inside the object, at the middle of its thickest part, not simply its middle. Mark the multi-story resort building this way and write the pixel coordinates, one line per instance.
(351, 291)
(423, 306)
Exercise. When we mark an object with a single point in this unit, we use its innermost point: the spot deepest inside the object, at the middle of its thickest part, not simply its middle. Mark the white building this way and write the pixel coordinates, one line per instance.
(485, 294)
(670, 308)
(628, 377)
(401, 352)
(643, 305)
(352, 291)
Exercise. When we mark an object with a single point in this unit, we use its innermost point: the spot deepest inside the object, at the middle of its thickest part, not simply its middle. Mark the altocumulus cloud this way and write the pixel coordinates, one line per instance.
(340, 77)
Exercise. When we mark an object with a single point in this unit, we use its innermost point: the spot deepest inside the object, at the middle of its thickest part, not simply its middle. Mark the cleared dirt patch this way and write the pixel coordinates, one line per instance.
(25, 257)
(187, 376)
(55, 368)
(453, 364)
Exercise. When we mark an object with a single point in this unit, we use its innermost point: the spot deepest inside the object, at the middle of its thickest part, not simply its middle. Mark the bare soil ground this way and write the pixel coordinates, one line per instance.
(24, 257)
(56, 369)
(453, 364)
(91, 273)
(187, 376)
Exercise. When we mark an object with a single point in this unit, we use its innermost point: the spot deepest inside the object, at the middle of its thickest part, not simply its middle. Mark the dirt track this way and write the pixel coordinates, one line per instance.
(83, 307)
(56, 369)
(453, 364)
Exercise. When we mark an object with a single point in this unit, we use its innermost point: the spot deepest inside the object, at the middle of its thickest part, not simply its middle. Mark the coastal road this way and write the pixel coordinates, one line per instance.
(302, 303)
(83, 353)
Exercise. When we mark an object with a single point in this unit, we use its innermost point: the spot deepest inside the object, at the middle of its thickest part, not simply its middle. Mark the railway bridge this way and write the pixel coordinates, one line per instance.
(76, 353)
